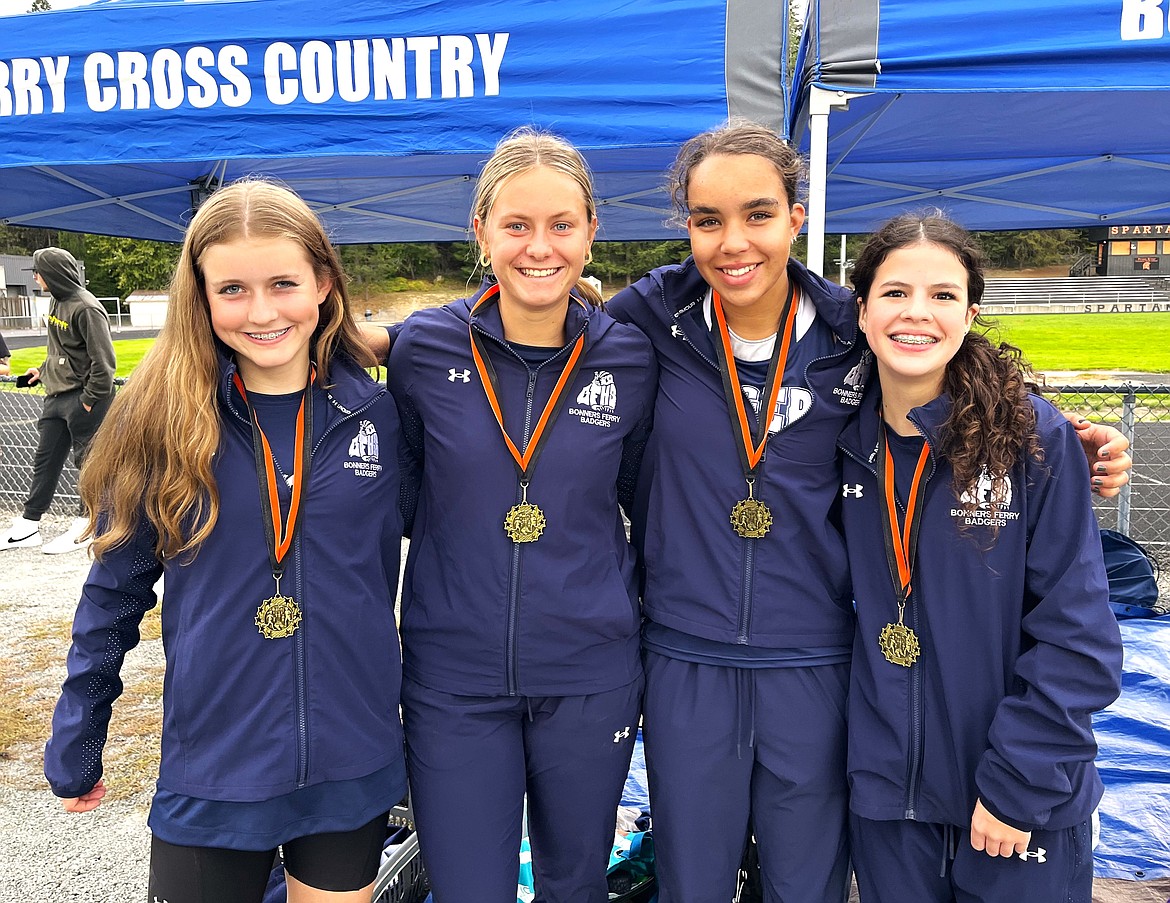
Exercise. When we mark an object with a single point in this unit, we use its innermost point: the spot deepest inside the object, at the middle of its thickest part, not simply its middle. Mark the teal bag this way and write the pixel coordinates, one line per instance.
(631, 870)
(630, 874)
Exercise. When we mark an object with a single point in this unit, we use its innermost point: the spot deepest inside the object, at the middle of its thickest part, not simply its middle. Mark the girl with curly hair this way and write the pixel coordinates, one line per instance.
(984, 639)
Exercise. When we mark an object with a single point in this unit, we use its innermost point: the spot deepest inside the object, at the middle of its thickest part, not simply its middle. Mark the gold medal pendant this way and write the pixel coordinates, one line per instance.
(750, 517)
(524, 522)
(278, 617)
(899, 644)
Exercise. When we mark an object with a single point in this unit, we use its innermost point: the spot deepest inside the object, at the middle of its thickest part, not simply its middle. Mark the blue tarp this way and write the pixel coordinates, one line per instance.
(378, 113)
(1007, 115)
(1134, 759)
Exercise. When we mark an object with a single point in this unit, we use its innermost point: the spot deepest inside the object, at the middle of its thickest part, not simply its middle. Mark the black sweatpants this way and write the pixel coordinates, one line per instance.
(64, 424)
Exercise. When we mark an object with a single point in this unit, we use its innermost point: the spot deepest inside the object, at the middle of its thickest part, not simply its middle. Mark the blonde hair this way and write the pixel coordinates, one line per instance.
(526, 149)
(152, 456)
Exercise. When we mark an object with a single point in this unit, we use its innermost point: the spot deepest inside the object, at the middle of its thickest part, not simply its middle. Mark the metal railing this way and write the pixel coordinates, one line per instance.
(1141, 412)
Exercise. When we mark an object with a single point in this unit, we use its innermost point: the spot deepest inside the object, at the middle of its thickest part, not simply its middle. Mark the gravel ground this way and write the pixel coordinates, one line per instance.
(46, 853)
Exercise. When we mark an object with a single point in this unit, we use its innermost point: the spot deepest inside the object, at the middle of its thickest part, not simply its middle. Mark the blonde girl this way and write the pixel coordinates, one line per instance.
(251, 460)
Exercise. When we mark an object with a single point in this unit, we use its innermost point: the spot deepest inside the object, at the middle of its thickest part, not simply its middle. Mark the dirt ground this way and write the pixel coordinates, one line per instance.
(394, 307)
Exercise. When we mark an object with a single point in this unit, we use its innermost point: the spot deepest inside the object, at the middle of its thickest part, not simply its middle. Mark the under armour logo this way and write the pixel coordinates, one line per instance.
(851, 490)
(1038, 855)
(461, 375)
(623, 734)
(676, 331)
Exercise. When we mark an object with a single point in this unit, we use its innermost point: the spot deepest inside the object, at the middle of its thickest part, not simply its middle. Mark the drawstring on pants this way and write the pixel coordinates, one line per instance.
(950, 848)
(745, 714)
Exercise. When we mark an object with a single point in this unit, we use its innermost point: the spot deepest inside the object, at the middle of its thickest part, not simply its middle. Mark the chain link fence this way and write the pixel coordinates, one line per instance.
(19, 410)
(1142, 412)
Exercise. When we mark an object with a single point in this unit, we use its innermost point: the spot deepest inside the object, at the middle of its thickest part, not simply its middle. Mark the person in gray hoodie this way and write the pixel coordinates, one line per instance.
(78, 378)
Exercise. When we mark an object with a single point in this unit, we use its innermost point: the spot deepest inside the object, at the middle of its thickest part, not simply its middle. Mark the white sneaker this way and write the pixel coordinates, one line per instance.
(22, 534)
(70, 540)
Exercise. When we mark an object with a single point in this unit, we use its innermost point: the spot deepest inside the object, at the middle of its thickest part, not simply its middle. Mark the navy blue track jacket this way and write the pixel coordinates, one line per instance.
(791, 587)
(1019, 645)
(482, 615)
(247, 718)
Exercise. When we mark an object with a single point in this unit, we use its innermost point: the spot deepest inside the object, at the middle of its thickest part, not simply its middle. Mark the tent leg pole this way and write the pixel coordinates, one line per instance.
(820, 103)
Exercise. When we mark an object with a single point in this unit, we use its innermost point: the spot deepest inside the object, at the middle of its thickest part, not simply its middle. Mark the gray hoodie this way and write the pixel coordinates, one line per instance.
(80, 354)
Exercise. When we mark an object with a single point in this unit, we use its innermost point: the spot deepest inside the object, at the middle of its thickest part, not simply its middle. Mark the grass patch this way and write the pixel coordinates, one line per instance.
(29, 686)
(1084, 342)
(1080, 342)
(129, 354)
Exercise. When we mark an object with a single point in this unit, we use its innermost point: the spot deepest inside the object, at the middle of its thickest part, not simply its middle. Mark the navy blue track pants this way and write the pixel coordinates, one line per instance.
(930, 863)
(472, 759)
(724, 743)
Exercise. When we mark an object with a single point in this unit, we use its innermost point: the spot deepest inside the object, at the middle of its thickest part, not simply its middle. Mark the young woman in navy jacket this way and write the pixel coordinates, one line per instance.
(525, 410)
(749, 621)
(253, 461)
(985, 640)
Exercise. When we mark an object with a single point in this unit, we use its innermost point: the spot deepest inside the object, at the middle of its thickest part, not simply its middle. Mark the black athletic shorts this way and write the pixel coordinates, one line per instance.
(343, 861)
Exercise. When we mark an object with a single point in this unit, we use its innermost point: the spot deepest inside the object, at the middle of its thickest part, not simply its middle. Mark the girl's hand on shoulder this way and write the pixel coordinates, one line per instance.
(993, 837)
(1105, 447)
(87, 802)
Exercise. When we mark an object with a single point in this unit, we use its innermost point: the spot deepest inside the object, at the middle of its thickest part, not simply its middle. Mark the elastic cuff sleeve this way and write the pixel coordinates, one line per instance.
(1010, 822)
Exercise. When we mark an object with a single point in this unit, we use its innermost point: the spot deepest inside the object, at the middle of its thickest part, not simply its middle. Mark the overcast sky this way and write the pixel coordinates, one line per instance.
(13, 7)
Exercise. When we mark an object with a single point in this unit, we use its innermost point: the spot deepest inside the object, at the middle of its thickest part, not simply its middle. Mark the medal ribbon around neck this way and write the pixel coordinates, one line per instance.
(899, 643)
(524, 522)
(280, 616)
(750, 517)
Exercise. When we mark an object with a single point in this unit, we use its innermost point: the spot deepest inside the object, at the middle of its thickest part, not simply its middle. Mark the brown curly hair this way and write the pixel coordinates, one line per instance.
(991, 422)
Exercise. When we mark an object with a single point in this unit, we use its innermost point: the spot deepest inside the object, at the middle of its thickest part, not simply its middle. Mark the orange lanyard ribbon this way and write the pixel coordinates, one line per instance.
(751, 446)
(279, 536)
(526, 460)
(902, 544)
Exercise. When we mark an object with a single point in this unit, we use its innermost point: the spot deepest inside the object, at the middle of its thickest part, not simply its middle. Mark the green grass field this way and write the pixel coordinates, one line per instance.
(129, 352)
(1078, 342)
(1091, 342)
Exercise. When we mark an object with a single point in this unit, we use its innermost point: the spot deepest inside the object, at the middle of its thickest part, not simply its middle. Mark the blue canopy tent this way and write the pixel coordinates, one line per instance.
(117, 116)
(1007, 115)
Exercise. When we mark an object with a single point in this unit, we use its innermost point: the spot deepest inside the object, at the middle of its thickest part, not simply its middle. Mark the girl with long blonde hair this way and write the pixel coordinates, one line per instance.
(234, 462)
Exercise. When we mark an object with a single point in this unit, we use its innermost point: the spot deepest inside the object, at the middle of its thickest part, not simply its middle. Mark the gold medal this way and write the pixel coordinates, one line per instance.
(899, 644)
(524, 522)
(278, 617)
(751, 518)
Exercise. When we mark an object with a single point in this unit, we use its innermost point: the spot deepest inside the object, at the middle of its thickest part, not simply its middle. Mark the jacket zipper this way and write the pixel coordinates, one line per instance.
(512, 645)
(299, 636)
(299, 678)
(746, 594)
(915, 692)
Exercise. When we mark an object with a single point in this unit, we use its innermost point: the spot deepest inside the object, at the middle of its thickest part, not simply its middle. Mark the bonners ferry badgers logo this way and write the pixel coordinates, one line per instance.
(364, 448)
(988, 503)
(853, 385)
(598, 401)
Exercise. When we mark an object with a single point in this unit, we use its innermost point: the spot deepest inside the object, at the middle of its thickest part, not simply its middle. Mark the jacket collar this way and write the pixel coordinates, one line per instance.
(348, 390)
(683, 290)
(860, 436)
(580, 315)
